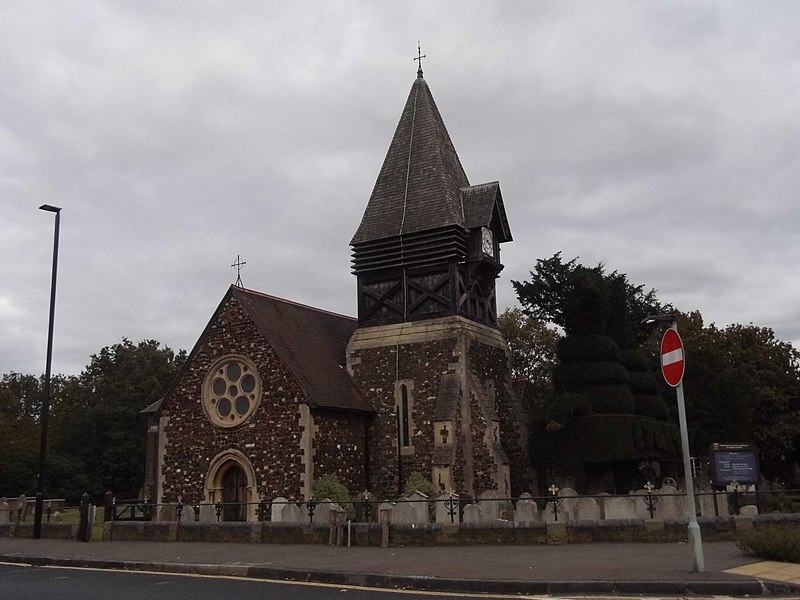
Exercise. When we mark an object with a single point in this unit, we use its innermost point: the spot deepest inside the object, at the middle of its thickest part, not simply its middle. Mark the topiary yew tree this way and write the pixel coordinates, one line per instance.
(602, 384)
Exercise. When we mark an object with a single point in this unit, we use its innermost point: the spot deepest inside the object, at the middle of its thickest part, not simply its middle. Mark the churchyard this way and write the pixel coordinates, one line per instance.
(647, 515)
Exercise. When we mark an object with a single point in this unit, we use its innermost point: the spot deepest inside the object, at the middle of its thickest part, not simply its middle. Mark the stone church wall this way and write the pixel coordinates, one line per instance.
(375, 372)
(270, 438)
(339, 448)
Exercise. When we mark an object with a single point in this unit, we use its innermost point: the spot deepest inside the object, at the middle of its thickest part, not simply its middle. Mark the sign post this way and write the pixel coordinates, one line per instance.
(673, 366)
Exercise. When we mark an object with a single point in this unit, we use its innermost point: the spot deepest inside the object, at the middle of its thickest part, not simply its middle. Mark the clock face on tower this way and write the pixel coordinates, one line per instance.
(487, 241)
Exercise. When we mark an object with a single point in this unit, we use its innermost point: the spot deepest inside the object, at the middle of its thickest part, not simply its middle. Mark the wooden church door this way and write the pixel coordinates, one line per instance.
(234, 494)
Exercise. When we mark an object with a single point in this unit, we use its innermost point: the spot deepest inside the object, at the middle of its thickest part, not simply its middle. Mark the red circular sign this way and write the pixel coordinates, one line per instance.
(673, 363)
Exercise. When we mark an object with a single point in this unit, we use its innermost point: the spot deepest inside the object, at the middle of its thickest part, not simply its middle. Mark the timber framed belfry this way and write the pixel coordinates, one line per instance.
(427, 354)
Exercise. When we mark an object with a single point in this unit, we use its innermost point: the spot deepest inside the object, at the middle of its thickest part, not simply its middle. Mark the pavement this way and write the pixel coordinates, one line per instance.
(640, 569)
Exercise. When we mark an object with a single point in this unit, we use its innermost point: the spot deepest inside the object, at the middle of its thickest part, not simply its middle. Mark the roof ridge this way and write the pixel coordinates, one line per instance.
(292, 302)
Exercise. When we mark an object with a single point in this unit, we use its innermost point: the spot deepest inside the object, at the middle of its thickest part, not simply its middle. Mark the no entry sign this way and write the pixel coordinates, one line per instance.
(673, 363)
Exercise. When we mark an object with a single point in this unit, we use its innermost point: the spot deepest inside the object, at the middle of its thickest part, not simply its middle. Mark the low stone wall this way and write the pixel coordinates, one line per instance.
(54, 531)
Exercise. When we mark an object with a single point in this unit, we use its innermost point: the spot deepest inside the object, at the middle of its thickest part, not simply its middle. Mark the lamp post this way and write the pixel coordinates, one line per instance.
(693, 530)
(37, 516)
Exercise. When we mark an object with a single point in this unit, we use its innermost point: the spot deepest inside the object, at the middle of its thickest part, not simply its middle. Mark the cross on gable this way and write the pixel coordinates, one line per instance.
(238, 264)
(445, 433)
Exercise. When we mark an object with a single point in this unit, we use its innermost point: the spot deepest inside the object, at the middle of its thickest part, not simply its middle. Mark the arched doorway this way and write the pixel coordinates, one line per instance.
(231, 480)
(234, 493)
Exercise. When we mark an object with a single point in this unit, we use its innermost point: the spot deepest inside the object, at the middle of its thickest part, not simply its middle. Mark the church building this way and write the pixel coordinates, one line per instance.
(276, 394)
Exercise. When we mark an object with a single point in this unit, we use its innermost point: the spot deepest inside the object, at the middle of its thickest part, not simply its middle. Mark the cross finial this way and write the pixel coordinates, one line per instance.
(238, 264)
(419, 58)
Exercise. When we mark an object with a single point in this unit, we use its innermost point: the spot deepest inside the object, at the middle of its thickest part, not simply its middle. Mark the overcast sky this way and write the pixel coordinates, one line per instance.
(661, 138)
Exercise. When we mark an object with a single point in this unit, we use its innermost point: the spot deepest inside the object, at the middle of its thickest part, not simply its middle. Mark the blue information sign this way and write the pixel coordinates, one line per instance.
(734, 462)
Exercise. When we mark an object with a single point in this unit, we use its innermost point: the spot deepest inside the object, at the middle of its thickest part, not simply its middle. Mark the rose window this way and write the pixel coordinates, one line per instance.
(231, 392)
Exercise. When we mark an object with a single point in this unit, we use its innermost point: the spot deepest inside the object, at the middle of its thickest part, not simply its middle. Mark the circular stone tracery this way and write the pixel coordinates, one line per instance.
(231, 391)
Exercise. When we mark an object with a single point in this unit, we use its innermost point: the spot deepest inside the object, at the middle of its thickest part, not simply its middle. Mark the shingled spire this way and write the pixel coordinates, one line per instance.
(428, 243)
(419, 184)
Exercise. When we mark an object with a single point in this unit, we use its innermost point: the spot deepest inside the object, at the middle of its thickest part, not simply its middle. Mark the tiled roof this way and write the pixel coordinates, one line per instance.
(312, 344)
(419, 185)
(481, 203)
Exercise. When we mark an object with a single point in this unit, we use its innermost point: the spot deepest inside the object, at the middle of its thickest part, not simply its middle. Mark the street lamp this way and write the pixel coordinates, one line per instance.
(693, 531)
(37, 515)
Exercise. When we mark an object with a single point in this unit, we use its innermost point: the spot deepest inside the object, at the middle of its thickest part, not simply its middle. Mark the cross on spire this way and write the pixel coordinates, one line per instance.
(239, 264)
(419, 57)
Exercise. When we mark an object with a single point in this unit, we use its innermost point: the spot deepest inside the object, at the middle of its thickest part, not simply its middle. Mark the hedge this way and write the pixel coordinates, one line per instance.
(650, 405)
(592, 373)
(607, 398)
(587, 347)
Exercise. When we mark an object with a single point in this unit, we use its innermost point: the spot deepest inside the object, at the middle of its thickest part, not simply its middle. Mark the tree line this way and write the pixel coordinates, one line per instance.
(742, 384)
(96, 434)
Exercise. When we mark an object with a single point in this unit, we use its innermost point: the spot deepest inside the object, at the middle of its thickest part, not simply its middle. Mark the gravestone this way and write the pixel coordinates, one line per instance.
(404, 512)
(22, 503)
(671, 506)
(707, 504)
(620, 507)
(748, 510)
(472, 513)
(294, 513)
(442, 512)
(490, 507)
(208, 512)
(322, 511)
(419, 502)
(166, 512)
(276, 509)
(5, 517)
(526, 511)
(366, 508)
(188, 515)
(586, 509)
(569, 498)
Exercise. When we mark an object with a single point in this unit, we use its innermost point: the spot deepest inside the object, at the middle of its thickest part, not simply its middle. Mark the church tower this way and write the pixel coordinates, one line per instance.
(427, 353)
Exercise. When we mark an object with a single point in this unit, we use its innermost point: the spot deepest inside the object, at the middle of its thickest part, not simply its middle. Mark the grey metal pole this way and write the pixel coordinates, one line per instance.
(39, 506)
(693, 532)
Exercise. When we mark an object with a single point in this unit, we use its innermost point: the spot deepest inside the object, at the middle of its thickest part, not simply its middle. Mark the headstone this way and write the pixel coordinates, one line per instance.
(322, 511)
(472, 513)
(569, 497)
(526, 511)
(586, 509)
(366, 507)
(707, 504)
(404, 512)
(58, 517)
(208, 512)
(748, 510)
(188, 514)
(276, 510)
(5, 517)
(445, 504)
(293, 513)
(671, 503)
(419, 502)
(490, 509)
(22, 503)
(166, 512)
(620, 507)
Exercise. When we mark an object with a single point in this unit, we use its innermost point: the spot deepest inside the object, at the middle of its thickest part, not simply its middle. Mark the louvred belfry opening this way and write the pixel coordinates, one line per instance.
(428, 245)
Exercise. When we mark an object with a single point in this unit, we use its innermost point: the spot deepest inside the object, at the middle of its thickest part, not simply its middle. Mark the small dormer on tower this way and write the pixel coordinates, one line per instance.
(428, 245)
